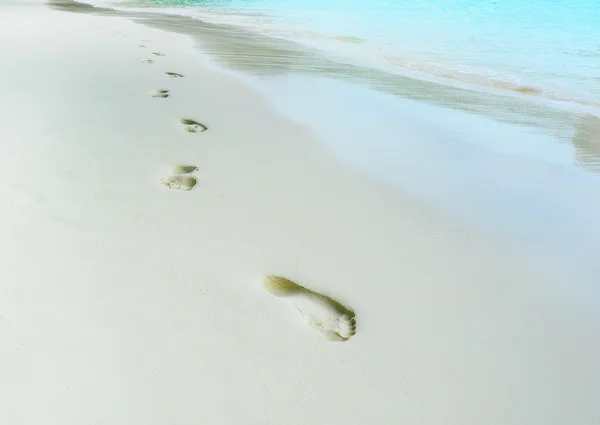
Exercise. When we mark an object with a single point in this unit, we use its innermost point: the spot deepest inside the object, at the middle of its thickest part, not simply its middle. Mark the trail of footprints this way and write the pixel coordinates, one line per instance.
(143, 46)
(331, 320)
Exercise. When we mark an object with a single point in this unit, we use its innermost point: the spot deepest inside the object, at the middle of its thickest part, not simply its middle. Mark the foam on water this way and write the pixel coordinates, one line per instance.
(542, 48)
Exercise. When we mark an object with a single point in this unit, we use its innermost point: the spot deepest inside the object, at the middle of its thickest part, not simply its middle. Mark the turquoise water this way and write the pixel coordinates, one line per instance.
(545, 48)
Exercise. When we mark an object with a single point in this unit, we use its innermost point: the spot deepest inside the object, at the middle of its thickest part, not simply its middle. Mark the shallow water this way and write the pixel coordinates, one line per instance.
(546, 48)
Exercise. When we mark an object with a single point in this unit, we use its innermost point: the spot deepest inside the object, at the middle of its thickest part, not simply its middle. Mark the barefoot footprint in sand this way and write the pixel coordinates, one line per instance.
(174, 75)
(192, 126)
(332, 320)
(181, 178)
(161, 94)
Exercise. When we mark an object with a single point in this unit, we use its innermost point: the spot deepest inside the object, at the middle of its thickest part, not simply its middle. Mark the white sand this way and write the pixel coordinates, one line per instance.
(125, 303)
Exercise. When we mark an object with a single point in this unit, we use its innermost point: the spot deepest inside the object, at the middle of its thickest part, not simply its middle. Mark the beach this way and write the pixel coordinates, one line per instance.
(146, 192)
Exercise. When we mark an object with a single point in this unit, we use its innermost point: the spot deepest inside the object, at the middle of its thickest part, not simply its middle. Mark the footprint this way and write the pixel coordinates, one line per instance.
(160, 93)
(142, 45)
(332, 320)
(180, 182)
(183, 169)
(158, 54)
(192, 126)
(148, 61)
(173, 74)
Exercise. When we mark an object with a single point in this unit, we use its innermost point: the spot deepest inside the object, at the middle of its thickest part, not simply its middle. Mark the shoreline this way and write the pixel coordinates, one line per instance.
(436, 80)
(238, 49)
(259, 57)
(125, 302)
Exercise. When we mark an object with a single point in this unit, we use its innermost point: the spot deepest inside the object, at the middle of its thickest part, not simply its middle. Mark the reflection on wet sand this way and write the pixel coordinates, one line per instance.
(586, 140)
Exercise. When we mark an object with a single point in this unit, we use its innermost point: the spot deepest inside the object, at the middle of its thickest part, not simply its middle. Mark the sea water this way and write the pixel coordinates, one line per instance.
(547, 48)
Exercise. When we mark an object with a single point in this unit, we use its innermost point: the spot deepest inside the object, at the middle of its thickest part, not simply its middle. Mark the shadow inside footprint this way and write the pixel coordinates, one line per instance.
(174, 74)
(180, 182)
(183, 169)
(160, 94)
(192, 126)
(330, 318)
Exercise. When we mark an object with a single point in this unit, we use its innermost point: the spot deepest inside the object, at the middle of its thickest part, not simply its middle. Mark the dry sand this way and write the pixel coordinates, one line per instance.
(125, 303)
